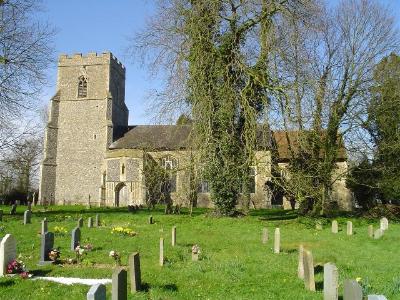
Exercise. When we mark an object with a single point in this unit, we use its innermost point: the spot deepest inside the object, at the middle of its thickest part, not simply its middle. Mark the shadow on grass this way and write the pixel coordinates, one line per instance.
(319, 286)
(41, 273)
(7, 283)
(170, 287)
(318, 269)
(274, 214)
(144, 287)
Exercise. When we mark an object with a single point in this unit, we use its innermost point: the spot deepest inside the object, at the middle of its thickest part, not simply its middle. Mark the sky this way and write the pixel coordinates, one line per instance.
(104, 25)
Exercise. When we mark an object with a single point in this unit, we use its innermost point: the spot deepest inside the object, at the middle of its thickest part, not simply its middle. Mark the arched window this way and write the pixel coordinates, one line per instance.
(82, 87)
(169, 162)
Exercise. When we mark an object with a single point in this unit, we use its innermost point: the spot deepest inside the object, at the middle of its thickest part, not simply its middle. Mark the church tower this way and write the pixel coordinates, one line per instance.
(86, 115)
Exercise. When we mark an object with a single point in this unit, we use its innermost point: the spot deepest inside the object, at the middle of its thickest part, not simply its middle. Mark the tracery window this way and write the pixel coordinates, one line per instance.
(169, 162)
(82, 87)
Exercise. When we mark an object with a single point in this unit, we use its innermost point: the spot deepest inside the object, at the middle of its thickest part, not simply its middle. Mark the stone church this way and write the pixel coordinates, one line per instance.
(92, 156)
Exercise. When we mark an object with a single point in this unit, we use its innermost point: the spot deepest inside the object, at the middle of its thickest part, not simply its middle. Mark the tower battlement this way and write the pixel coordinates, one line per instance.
(91, 58)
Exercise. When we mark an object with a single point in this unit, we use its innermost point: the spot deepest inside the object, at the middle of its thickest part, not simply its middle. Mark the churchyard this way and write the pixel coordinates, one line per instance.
(203, 257)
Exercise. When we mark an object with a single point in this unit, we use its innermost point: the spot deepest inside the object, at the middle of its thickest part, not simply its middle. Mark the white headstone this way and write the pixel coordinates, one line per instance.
(384, 224)
(376, 297)
(335, 227)
(277, 241)
(349, 228)
(8, 252)
(300, 267)
(331, 282)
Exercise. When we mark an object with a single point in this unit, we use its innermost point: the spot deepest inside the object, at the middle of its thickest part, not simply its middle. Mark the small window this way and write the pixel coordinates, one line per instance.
(123, 169)
(94, 136)
(82, 87)
(169, 162)
(203, 187)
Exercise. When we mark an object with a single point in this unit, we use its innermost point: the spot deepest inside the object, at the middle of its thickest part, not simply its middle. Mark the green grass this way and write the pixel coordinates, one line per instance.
(234, 263)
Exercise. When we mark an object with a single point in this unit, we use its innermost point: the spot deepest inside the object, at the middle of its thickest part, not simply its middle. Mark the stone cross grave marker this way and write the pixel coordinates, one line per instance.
(308, 262)
(371, 231)
(352, 290)
(75, 238)
(134, 272)
(80, 222)
(44, 226)
(13, 209)
(173, 236)
(1, 215)
(8, 252)
(90, 222)
(331, 282)
(119, 284)
(277, 241)
(265, 235)
(47, 243)
(161, 251)
(27, 217)
(349, 228)
(97, 221)
(300, 267)
(97, 292)
(335, 226)
(384, 224)
(378, 233)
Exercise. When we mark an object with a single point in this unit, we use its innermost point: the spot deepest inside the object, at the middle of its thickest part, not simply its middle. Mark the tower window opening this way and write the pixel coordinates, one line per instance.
(82, 87)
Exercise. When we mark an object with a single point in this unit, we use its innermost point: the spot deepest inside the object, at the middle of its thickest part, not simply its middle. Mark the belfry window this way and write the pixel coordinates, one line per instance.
(82, 87)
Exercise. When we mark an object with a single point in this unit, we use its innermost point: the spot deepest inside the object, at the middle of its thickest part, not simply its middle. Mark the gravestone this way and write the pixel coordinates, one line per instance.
(161, 251)
(27, 217)
(352, 290)
(75, 238)
(318, 225)
(378, 233)
(13, 209)
(173, 233)
(335, 226)
(308, 262)
(1, 215)
(47, 243)
(349, 228)
(44, 226)
(265, 236)
(97, 292)
(134, 272)
(119, 284)
(376, 297)
(331, 282)
(80, 222)
(371, 231)
(277, 241)
(151, 220)
(8, 252)
(384, 224)
(90, 222)
(300, 267)
(97, 221)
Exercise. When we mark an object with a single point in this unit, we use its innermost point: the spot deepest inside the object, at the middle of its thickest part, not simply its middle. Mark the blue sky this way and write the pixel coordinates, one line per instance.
(103, 25)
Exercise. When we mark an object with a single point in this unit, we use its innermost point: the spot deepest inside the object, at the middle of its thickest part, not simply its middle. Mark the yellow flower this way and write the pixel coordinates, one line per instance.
(358, 279)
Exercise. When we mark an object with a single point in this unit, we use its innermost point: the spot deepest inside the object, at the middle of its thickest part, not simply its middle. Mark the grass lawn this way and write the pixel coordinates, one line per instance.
(234, 263)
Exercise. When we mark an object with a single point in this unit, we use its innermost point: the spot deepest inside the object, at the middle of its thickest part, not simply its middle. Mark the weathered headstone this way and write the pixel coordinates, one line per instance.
(8, 252)
(331, 282)
(352, 290)
(318, 225)
(371, 231)
(75, 238)
(378, 233)
(47, 243)
(90, 222)
(335, 226)
(119, 284)
(44, 226)
(161, 251)
(265, 235)
(173, 236)
(376, 297)
(308, 262)
(1, 215)
(300, 267)
(384, 224)
(277, 241)
(349, 228)
(80, 222)
(151, 220)
(27, 217)
(97, 221)
(13, 209)
(134, 272)
(97, 292)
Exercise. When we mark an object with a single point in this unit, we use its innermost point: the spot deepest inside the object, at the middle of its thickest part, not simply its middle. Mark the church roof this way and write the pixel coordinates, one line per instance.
(176, 137)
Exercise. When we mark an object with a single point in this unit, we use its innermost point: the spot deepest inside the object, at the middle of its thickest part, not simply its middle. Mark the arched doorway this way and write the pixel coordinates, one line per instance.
(121, 195)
